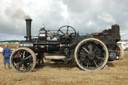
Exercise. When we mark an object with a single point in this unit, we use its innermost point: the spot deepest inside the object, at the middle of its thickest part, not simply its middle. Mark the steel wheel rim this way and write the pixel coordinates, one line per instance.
(91, 60)
(22, 60)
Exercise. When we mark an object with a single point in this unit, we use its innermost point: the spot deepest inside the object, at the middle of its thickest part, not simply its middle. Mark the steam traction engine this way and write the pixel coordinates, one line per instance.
(89, 52)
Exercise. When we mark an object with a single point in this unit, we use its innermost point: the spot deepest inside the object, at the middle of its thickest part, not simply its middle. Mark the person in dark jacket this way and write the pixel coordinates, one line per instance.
(6, 56)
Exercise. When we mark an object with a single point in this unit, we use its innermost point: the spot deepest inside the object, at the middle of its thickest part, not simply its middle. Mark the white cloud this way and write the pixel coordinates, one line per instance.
(90, 23)
(88, 15)
(64, 13)
(107, 18)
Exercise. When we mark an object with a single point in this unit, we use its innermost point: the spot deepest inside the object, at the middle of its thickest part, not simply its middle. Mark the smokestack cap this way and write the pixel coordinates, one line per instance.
(28, 19)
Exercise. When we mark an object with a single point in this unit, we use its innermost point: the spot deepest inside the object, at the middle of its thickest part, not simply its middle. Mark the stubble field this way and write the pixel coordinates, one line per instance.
(115, 73)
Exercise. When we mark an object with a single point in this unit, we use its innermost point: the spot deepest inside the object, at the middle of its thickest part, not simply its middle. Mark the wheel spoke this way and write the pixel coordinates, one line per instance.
(100, 58)
(82, 59)
(28, 57)
(61, 32)
(99, 51)
(27, 66)
(87, 64)
(16, 58)
(95, 50)
(24, 54)
(83, 54)
(67, 29)
(18, 65)
(90, 47)
(85, 49)
(95, 63)
(22, 67)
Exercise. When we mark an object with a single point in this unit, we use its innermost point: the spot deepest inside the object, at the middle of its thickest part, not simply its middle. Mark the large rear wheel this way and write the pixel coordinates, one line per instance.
(23, 60)
(91, 54)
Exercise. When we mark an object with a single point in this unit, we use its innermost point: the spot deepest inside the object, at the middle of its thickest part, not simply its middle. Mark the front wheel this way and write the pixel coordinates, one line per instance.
(23, 60)
(91, 54)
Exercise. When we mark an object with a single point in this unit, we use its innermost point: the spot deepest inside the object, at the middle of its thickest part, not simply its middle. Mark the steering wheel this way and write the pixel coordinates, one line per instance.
(66, 33)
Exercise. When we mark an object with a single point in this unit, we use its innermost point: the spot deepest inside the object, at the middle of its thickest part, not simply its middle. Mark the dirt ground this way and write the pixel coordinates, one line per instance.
(115, 73)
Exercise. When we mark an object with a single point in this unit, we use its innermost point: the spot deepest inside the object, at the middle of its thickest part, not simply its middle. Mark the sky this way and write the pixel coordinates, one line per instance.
(86, 16)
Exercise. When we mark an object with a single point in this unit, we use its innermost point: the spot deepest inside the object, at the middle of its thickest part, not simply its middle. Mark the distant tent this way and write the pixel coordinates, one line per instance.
(1, 49)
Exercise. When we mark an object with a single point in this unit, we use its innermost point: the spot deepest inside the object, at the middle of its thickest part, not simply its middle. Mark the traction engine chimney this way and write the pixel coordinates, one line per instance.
(28, 29)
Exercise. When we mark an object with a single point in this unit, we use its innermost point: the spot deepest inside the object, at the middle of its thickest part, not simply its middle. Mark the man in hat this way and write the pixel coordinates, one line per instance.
(6, 56)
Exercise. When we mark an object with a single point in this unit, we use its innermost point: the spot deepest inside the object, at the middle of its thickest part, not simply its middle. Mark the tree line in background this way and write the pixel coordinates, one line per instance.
(10, 41)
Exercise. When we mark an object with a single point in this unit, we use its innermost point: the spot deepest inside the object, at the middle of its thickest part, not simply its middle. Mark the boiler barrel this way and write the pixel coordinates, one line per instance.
(50, 48)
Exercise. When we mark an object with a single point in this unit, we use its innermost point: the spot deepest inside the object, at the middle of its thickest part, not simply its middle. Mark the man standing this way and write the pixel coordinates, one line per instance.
(6, 56)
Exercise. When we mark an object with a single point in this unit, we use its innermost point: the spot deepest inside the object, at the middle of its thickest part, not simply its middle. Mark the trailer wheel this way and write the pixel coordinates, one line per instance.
(121, 52)
(91, 54)
(23, 60)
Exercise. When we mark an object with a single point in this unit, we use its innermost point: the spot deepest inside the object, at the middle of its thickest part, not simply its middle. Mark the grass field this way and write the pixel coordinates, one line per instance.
(115, 73)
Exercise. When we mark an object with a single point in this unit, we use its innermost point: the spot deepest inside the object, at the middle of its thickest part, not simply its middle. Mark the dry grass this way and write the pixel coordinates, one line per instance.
(12, 46)
(116, 73)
